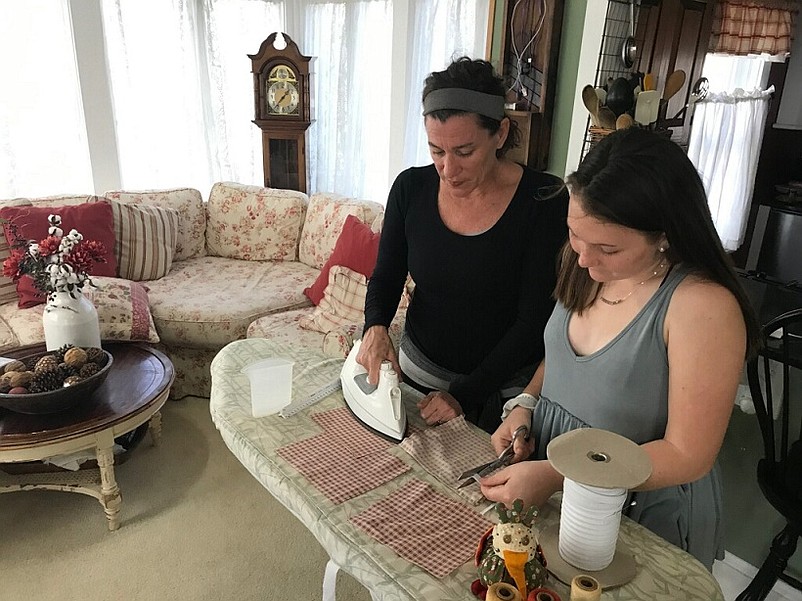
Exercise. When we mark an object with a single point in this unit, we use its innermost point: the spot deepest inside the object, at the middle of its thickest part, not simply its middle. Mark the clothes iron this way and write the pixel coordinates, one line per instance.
(379, 407)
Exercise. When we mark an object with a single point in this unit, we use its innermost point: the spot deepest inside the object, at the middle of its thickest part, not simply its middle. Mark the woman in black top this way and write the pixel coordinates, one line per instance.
(479, 234)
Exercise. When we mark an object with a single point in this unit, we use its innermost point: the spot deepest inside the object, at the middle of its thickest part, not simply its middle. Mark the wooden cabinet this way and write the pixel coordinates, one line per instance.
(674, 35)
(534, 75)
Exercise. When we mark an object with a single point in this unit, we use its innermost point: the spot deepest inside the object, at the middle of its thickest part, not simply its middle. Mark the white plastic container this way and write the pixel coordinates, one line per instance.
(271, 385)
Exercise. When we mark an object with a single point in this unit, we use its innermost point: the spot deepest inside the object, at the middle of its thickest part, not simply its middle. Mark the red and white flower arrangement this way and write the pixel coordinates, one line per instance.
(57, 263)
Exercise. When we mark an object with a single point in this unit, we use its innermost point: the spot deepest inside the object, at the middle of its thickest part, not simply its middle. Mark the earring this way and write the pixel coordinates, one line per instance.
(662, 249)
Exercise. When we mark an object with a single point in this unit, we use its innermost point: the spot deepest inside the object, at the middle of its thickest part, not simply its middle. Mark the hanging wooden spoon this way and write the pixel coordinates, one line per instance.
(673, 84)
(624, 120)
(591, 101)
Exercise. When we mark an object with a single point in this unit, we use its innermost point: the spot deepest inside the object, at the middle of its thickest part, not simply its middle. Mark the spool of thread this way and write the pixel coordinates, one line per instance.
(501, 591)
(589, 524)
(543, 594)
(585, 588)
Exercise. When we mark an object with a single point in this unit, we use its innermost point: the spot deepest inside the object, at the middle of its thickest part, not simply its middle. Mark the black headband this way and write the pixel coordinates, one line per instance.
(461, 99)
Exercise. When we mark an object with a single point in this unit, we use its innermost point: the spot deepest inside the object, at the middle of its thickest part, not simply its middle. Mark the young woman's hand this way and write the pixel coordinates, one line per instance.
(524, 446)
(531, 481)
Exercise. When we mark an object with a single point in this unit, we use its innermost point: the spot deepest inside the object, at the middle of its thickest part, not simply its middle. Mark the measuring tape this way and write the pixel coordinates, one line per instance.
(313, 398)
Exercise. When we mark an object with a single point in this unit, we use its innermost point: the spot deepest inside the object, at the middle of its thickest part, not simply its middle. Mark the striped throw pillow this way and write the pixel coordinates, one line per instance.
(146, 239)
(343, 301)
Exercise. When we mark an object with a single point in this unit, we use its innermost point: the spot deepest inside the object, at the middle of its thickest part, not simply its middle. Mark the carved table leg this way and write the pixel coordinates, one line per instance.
(155, 427)
(110, 496)
(782, 547)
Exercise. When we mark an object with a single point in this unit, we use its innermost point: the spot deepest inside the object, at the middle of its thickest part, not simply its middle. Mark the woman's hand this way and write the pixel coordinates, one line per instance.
(438, 407)
(377, 347)
(531, 481)
(524, 446)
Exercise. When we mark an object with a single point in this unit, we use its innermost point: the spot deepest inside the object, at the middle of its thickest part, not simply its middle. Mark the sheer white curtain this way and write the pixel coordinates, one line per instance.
(725, 144)
(182, 89)
(43, 144)
(726, 136)
(441, 30)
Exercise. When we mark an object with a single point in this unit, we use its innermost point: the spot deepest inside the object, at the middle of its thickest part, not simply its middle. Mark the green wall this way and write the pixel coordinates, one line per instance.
(570, 45)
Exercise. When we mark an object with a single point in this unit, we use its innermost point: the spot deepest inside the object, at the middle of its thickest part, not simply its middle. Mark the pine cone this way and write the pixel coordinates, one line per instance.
(30, 363)
(96, 355)
(75, 357)
(14, 366)
(59, 354)
(45, 363)
(66, 371)
(45, 381)
(72, 380)
(89, 370)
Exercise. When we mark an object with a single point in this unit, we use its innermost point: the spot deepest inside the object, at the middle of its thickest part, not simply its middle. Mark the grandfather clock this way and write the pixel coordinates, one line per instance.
(281, 94)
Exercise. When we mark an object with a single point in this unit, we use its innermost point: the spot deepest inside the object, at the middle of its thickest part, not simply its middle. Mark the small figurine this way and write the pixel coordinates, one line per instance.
(509, 552)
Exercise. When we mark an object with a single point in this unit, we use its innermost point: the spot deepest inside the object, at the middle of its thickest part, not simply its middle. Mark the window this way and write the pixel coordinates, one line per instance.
(43, 144)
(179, 89)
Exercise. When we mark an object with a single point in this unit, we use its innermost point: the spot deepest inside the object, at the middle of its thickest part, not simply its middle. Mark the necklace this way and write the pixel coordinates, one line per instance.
(618, 301)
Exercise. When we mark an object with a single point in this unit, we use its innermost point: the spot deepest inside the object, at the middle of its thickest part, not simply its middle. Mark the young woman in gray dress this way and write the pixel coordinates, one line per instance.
(648, 340)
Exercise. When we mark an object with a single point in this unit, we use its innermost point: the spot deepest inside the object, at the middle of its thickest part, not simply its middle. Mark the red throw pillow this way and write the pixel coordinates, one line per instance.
(94, 220)
(356, 248)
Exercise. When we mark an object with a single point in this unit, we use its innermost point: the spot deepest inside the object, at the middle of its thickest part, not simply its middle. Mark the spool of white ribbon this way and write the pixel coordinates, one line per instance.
(589, 523)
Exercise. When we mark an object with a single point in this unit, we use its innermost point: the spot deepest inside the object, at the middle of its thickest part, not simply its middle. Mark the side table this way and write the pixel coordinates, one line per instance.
(134, 391)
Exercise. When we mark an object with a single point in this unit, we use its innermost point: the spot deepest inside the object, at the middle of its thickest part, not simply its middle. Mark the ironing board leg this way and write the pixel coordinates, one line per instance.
(330, 581)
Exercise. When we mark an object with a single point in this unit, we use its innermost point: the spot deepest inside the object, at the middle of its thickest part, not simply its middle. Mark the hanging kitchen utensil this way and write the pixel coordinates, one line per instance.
(647, 106)
(674, 82)
(606, 118)
(624, 120)
(649, 82)
(698, 92)
(629, 49)
(591, 101)
(620, 97)
(602, 94)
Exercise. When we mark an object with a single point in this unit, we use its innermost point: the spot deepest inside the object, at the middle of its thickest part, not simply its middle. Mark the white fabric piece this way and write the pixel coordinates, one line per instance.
(743, 398)
(724, 146)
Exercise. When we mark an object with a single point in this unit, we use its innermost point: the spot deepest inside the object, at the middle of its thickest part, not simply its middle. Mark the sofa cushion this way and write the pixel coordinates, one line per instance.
(357, 248)
(343, 301)
(207, 302)
(254, 223)
(285, 327)
(191, 241)
(94, 220)
(325, 218)
(122, 309)
(146, 239)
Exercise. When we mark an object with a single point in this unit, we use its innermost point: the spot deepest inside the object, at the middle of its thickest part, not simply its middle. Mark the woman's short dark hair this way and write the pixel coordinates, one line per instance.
(472, 74)
(646, 182)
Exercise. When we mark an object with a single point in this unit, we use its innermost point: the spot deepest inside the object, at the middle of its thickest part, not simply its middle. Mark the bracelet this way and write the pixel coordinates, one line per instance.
(522, 400)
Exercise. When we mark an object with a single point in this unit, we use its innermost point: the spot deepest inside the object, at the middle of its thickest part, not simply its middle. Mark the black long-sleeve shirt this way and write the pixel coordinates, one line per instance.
(481, 301)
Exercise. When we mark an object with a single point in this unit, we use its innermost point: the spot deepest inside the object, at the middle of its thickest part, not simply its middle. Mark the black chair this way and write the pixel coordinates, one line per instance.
(779, 472)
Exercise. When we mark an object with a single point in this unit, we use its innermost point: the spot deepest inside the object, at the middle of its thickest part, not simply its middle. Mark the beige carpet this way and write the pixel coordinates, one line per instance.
(195, 525)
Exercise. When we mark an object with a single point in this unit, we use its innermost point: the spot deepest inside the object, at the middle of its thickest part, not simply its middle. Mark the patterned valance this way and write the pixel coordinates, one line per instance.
(744, 27)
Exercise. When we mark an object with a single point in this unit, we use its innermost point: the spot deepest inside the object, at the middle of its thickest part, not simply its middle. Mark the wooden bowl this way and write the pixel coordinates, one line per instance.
(58, 400)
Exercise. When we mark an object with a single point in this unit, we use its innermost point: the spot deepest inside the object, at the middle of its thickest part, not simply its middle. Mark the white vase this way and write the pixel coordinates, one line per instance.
(70, 319)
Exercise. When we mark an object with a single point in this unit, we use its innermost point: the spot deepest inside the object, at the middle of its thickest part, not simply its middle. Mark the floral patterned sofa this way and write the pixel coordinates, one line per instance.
(244, 256)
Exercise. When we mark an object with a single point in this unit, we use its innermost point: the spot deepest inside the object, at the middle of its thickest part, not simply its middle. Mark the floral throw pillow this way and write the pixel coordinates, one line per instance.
(123, 310)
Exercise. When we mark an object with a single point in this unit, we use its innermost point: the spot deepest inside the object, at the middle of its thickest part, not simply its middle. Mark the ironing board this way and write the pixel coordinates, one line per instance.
(664, 572)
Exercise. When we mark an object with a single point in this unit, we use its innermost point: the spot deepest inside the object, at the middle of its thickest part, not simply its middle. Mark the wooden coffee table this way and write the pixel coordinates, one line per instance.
(134, 391)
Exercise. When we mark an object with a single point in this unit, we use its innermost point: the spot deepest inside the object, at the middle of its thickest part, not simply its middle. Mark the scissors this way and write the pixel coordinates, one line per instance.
(473, 474)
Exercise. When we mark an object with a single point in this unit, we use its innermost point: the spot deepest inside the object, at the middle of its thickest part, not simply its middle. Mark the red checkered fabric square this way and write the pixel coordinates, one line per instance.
(355, 438)
(425, 527)
(340, 476)
(450, 449)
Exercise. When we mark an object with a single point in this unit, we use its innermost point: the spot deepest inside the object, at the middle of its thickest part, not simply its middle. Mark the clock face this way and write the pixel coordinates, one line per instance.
(282, 98)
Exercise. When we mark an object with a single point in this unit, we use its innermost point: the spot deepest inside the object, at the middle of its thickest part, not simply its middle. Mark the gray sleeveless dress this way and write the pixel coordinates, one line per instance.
(623, 388)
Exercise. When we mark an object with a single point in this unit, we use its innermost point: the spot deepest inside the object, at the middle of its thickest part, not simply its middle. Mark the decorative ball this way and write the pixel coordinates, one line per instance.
(95, 355)
(21, 378)
(71, 380)
(18, 390)
(75, 357)
(14, 366)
